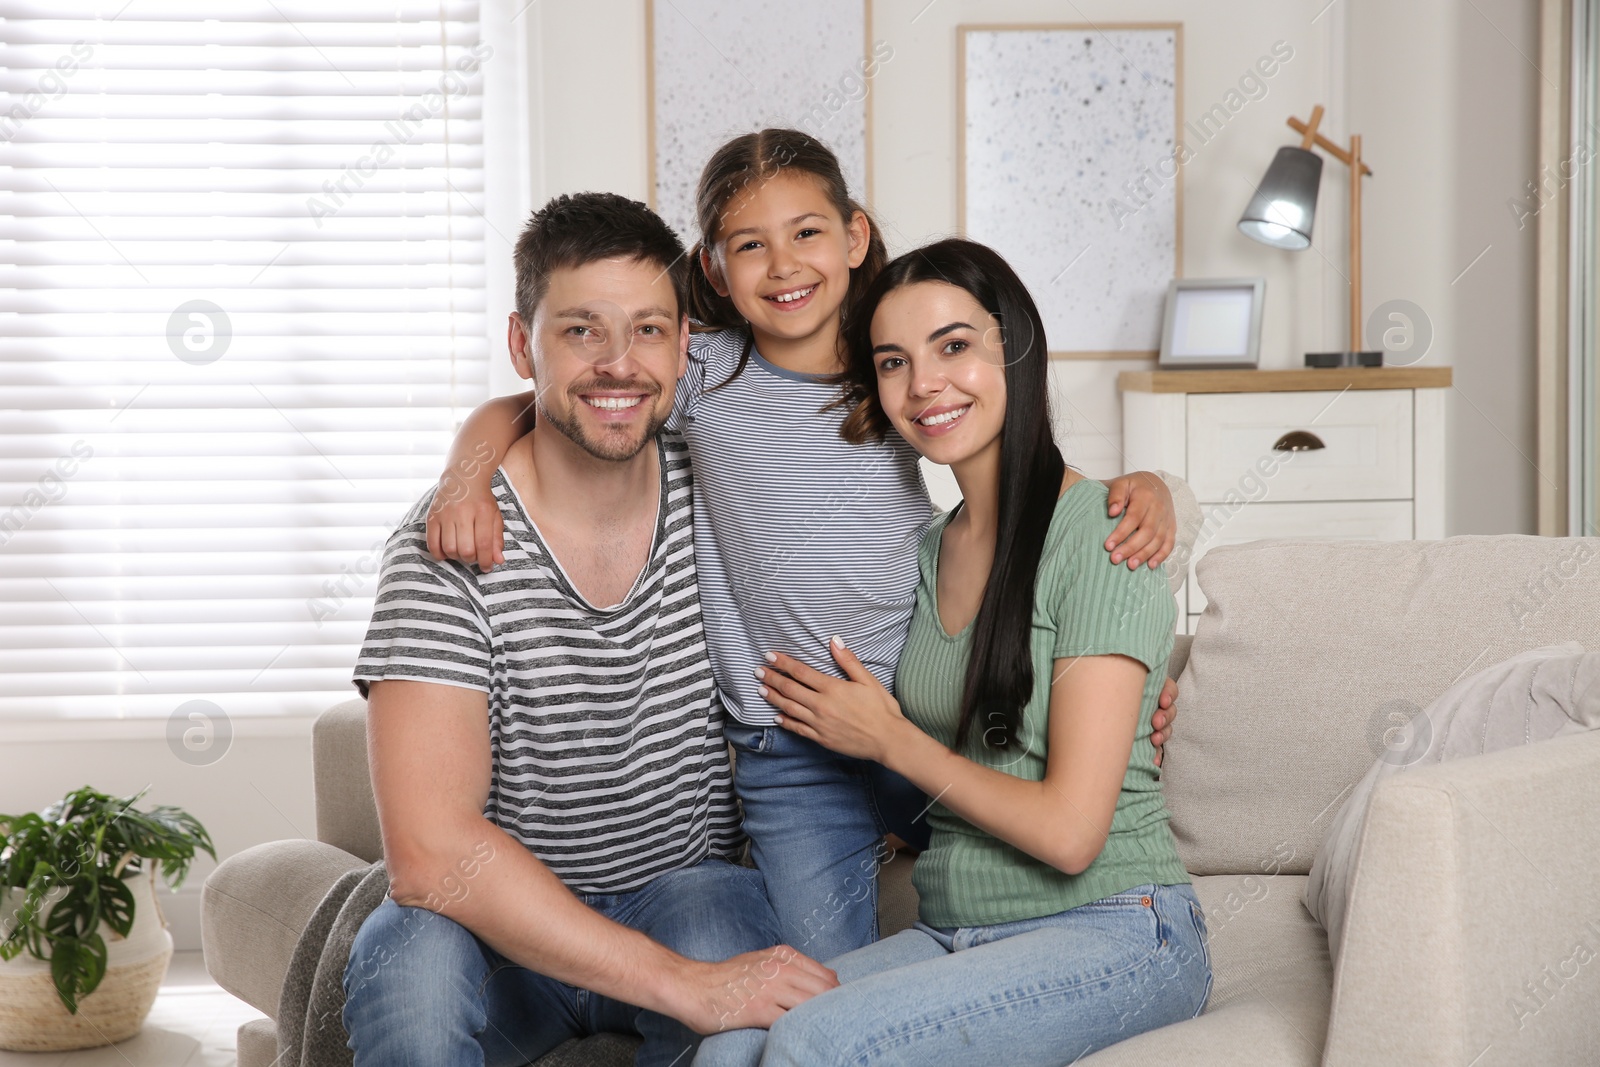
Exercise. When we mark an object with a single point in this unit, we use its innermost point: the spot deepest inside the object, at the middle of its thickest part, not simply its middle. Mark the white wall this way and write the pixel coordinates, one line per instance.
(1444, 101)
(259, 790)
(1447, 97)
(1447, 109)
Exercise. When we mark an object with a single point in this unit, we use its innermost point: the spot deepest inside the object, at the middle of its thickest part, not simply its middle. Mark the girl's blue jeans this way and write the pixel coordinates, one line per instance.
(816, 822)
(1043, 992)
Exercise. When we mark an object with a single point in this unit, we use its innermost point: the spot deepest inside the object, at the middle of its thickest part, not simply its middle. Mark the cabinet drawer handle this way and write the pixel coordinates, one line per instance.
(1298, 441)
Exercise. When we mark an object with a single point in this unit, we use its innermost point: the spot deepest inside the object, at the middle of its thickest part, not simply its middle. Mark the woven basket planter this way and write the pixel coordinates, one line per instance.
(32, 1017)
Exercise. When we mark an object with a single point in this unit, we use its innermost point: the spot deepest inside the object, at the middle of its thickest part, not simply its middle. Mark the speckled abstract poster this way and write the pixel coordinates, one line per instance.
(726, 67)
(1070, 174)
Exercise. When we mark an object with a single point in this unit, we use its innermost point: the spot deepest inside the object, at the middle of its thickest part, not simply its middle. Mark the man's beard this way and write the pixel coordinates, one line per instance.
(612, 445)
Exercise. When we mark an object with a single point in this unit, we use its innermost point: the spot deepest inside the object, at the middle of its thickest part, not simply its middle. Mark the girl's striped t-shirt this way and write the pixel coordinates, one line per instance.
(608, 760)
(799, 536)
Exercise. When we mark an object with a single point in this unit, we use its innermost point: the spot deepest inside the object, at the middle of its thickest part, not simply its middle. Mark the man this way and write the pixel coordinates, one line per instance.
(545, 741)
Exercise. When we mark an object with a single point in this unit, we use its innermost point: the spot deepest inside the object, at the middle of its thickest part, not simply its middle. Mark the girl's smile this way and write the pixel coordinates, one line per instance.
(783, 254)
(794, 298)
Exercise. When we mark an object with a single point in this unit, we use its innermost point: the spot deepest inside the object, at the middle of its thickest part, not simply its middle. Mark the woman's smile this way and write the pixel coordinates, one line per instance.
(937, 421)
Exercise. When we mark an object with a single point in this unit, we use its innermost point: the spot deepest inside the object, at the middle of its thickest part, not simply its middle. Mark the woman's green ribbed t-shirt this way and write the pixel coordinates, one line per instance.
(1083, 605)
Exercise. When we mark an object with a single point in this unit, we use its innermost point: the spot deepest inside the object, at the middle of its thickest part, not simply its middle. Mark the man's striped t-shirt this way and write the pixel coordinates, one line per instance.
(606, 732)
(799, 535)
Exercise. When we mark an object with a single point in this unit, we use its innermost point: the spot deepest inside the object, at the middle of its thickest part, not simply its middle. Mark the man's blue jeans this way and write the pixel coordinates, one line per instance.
(1035, 993)
(421, 990)
(816, 822)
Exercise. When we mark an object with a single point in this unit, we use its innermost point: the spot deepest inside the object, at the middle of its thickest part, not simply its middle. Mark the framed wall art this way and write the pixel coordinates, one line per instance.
(1069, 165)
(719, 68)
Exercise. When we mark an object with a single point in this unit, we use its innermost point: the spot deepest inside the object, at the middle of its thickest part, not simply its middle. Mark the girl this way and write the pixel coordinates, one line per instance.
(1056, 917)
(799, 535)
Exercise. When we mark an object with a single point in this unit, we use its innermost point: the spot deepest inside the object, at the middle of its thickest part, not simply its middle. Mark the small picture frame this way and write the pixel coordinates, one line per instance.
(1213, 322)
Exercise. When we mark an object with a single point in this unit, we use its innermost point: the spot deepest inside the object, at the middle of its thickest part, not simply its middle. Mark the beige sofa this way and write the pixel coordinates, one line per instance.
(1474, 931)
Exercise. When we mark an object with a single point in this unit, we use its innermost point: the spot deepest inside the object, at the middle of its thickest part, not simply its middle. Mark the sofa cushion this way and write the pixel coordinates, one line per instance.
(1309, 651)
(897, 897)
(1271, 985)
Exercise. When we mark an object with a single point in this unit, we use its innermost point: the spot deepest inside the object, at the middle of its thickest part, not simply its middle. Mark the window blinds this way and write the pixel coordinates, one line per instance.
(241, 310)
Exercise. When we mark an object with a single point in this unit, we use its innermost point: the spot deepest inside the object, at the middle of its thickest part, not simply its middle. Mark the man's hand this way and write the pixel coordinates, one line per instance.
(1161, 721)
(751, 990)
(1149, 527)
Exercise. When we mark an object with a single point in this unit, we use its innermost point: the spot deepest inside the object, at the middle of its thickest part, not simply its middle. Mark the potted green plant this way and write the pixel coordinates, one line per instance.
(81, 957)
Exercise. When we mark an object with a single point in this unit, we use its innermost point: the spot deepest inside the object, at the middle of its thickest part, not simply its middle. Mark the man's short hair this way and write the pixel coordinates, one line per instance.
(575, 229)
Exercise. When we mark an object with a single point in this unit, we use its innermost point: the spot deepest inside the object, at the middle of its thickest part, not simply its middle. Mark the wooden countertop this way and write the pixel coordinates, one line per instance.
(1304, 379)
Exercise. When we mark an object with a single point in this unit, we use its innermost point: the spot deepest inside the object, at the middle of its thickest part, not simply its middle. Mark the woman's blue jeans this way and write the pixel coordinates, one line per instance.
(421, 989)
(816, 822)
(1039, 992)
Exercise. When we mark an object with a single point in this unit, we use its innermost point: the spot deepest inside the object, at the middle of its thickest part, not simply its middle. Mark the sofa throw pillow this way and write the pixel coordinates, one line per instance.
(1533, 696)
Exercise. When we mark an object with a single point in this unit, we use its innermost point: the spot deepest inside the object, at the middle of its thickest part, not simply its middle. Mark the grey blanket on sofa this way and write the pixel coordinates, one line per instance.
(311, 1007)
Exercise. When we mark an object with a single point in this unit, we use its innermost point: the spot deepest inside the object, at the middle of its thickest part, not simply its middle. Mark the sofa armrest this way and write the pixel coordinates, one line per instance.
(1475, 904)
(347, 812)
(254, 907)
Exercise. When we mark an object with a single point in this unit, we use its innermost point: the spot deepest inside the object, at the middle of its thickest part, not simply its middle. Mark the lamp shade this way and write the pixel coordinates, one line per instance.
(1285, 204)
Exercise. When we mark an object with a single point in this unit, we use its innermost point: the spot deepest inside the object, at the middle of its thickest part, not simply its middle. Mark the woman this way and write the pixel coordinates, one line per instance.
(1055, 915)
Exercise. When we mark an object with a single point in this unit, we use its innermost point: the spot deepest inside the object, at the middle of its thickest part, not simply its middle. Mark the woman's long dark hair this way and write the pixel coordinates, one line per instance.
(742, 163)
(1000, 670)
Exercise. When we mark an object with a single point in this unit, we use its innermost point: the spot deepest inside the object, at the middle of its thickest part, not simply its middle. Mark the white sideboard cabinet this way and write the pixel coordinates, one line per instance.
(1330, 454)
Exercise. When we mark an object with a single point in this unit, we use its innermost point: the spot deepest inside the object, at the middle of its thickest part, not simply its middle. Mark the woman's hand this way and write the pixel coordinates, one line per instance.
(1149, 527)
(853, 716)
